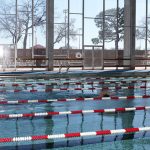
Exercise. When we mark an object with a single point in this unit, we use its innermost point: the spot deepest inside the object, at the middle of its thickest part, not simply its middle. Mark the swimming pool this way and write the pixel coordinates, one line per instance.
(63, 96)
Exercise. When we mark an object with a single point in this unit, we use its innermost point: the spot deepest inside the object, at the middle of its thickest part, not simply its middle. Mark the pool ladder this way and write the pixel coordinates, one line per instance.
(67, 65)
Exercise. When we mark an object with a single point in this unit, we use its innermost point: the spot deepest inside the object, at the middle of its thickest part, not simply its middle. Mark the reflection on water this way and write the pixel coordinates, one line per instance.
(75, 123)
(128, 121)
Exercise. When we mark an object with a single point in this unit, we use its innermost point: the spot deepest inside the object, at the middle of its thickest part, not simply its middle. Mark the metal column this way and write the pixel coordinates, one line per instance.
(16, 47)
(129, 35)
(83, 53)
(68, 31)
(50, 32)
(117, 38)
(102, 57)
(32, 29)
(146, 23)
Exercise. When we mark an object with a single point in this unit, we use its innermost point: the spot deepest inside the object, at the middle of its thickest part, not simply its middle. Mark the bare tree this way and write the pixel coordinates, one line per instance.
(61, 32)
(113, 32)
(8, 21)
(141, 32)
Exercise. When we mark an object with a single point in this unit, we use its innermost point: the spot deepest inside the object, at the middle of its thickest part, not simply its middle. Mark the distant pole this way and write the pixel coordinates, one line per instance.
(65, 12)
(35, 37)
(50, 33)
(79, 37)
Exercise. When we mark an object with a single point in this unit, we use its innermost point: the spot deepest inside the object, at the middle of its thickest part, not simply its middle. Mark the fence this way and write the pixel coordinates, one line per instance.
(91, 59)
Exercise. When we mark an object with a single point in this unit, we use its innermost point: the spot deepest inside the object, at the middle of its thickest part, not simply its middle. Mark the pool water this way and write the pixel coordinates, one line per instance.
(134, 144)
(74, 122)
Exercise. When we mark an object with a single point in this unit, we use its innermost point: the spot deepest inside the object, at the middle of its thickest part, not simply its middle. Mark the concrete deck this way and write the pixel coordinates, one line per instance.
(81, 73)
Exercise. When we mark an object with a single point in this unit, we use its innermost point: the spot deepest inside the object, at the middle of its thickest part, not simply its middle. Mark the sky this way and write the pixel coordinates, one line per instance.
(92, 8)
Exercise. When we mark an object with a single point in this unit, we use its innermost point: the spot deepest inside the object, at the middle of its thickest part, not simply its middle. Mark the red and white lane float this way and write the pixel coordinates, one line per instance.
(67, 83)
(74, 89)
(99, 98)
(81, 80)
(74, 135)
(45, 114)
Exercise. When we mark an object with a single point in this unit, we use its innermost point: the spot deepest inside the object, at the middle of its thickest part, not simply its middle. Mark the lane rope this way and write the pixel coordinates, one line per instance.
(78, 79)
(73, 89)
(99, 98)
(67, 83)
(45, 114)
(74, 135)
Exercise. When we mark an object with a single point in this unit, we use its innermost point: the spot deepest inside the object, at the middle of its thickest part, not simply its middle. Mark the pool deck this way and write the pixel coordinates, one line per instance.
(78, 73)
